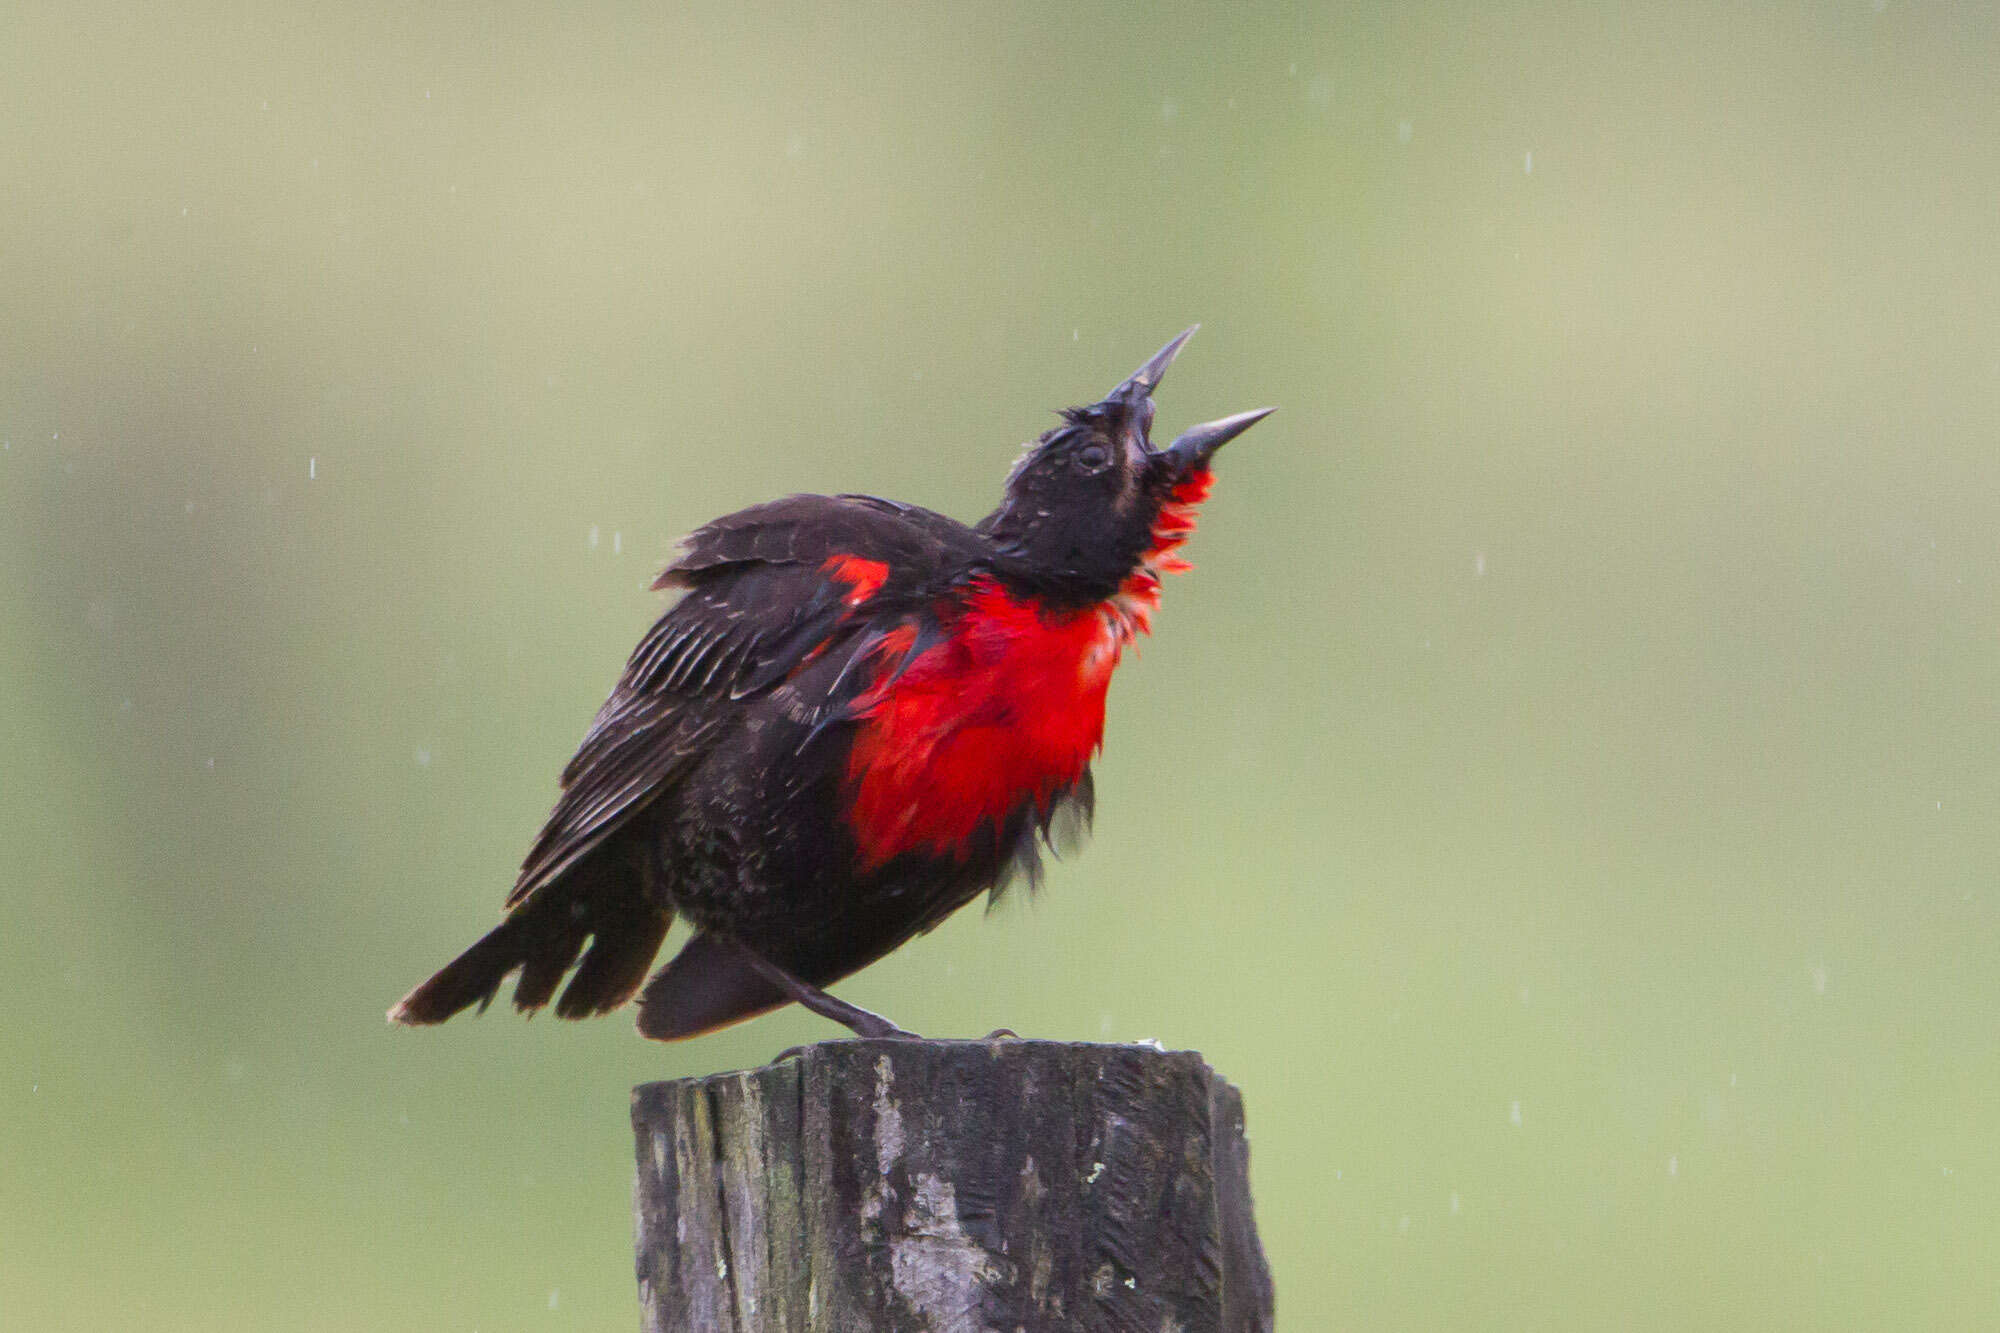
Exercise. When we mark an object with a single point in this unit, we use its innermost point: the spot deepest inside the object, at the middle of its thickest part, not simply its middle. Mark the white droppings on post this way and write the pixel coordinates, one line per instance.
(888, 1120)
(938, 1269)
(1032, 1189)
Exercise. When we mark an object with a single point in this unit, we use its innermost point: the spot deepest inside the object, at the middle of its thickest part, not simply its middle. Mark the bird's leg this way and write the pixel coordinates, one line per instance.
(851, 1016)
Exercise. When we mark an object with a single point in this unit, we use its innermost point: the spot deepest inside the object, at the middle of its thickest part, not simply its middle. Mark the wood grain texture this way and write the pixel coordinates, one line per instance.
(950, 1187)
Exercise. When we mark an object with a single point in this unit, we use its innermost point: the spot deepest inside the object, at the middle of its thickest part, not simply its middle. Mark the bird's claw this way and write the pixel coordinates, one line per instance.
(887, 1032)
(883, 1030)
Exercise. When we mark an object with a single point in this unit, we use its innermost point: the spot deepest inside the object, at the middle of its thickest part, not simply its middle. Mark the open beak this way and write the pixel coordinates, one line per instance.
(1194, 446)
(1147, 377)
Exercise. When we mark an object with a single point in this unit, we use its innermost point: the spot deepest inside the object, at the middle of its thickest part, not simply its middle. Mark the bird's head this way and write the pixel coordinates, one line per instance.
(1093, 501)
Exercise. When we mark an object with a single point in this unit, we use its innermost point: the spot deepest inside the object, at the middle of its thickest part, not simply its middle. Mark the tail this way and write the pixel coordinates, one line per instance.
(707, 986)
(710, 984)
(542, 937)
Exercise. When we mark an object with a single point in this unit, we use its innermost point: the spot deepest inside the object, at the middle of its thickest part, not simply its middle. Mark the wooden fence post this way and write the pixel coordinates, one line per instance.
(952, 1187)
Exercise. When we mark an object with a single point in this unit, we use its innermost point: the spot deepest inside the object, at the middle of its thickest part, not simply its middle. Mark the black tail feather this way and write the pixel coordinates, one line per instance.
(552, 951)
(471, 978)
(707, 986)
(619, 955)
(595, 903)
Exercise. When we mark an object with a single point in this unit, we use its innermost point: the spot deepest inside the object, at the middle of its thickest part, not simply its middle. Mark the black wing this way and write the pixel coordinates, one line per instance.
(812, 529)
(763, 595)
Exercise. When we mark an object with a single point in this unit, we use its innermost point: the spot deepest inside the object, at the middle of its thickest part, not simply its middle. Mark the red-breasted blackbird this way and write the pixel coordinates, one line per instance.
(858, 716)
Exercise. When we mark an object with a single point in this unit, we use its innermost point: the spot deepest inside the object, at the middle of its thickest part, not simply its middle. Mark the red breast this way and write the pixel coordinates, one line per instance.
(1007, 708)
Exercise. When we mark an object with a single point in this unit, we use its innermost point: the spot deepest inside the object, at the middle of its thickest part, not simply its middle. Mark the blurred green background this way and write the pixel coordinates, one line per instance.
(1564, 798)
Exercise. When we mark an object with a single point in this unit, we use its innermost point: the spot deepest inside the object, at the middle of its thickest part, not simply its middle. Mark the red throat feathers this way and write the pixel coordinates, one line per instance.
(1006, 709)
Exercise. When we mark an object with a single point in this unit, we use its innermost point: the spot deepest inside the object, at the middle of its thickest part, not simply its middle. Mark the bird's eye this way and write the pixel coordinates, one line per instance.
(1092, 458)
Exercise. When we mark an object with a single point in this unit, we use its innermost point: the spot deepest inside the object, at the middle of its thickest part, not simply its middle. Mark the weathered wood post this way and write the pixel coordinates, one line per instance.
(949, 1186)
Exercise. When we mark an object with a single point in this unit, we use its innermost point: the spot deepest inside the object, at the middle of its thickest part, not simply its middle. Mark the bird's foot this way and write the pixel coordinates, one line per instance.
(886, 1032)
(853, 1017)
(863, 1023)
(874, 1027)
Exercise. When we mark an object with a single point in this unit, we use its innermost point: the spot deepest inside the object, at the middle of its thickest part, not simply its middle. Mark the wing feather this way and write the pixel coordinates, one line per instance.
(759, 602)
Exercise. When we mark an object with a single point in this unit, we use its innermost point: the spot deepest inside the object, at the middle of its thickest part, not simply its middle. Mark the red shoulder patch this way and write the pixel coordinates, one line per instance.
(864, 577)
